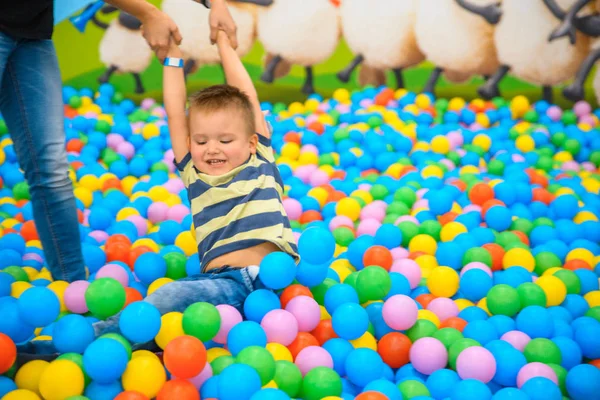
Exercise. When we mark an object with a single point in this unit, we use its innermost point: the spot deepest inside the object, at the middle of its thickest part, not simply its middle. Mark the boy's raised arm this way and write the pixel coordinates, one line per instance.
(237, 76)
(175, 97)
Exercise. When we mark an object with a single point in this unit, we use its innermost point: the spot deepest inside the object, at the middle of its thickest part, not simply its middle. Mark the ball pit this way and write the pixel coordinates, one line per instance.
(450, 250)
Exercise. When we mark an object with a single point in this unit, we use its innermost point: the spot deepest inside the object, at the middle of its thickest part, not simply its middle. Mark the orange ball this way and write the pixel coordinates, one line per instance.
(303, 340)
(292, 137)
(454, 322)
(111, 184)
(425, 299)
(185, 356)
(317, 127)
(595, 363)
(117, 252)
(371, 395)
(117, 238)
(576, 264)
(416, 254)
(497, 253)
(394, 348)
(324, 331)
(489, 204)
(74, 146)
(542, 195)
(132, 295)
(480, 193)
(131, 395)
(448, 217)
(8, 353)
(378, 255)
(179, 389)
(135, 253)
(310, 216)
(522, 236)
(292, 291)
(29, 231)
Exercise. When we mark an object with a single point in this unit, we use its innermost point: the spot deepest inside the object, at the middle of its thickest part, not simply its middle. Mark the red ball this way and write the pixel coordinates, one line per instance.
(394, 349)
(185, 356)
(179, 389)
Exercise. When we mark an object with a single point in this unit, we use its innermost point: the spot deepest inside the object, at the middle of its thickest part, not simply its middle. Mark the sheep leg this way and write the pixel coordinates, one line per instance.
(547, 93)
(269, 74)
(398, 75)
(433, 78)
(344, 75)
(308, 88)
(575, 90)
(489, 89)
(139, 87)
(107, 74)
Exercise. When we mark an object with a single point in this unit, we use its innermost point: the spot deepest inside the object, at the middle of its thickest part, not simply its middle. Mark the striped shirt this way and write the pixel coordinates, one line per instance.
(239, 209)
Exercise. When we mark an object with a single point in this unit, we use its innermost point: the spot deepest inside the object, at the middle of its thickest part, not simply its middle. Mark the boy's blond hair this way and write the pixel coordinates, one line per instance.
(219, 97)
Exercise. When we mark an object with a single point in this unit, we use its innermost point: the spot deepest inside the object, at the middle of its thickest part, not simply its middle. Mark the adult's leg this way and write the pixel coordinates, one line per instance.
(31, 104)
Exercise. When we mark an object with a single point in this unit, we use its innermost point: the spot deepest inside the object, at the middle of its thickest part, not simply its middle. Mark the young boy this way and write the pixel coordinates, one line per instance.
(233, 185)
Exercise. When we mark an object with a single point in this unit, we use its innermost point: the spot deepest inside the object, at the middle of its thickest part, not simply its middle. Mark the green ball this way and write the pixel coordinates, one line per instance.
(594, 157)
(295, 224)
(544, 261)
(374, 121)
(569, 117)
(77, 359)
(406, 195)
(201, 320)
(103, 126)
(21, 191)
(105, 297)
(412, 388)
(572, 146)
(220, 363)
(544, 163)
(176, 265)
(118, 97)
(343, 236)
(496, 167)
(391, 218)
(522, 225)
(279, 107)
(593, 312)
(543, 221)
(503, 300)
(458, 347)
(455, 158)
(531, 295)
(531, 116)
(542, 350)
(422, 328)
(17, 273)
(319, 291)
(448, 336)
(120, 339)
(409, 230)
(75, 102)
(288, 377)
(260, 359)
(561, 374)
(558, 139)
(373, 283)
(159, 166)
(431, 228)
(477, 254)
(506, 238)
(326, 159)
(397, 208)
(441, 105)
(570, 279)
(321, 382)
(379, 192)
(109, 156)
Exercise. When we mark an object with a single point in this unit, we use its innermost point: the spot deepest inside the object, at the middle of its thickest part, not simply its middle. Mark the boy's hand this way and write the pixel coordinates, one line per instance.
(220, 19)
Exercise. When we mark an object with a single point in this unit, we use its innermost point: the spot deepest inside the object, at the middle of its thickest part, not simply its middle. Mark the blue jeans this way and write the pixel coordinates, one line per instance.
(227, 285)
(31, 105)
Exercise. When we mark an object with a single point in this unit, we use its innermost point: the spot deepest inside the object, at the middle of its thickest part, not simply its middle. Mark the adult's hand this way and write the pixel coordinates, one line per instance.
(220, 19)
(158, 30)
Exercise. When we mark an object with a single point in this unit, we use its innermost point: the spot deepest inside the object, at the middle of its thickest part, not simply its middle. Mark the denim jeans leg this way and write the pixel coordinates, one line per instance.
(31, 104)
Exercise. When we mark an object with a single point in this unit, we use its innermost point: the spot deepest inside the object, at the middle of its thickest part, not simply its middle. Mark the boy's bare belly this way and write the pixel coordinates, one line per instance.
(243, 258)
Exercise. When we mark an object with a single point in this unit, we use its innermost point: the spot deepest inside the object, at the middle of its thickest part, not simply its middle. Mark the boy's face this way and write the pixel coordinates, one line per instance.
(219, 141)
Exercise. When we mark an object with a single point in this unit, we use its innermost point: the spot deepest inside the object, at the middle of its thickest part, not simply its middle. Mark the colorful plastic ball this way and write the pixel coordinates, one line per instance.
(441, 383)
(443, 282)
(38, 306)
(74, 297)
(201, 320)
(277, 270)
(230, 317)
(540, 388)
(428, 355)
(471, 389)
(363, 366)
(61, 379)
(185, 356)
(114, 271)
(400, 312)
(247, 382)
(244, 334)
(316, 245)
(503, 300)
(350, 321)
(140, 322)
(280, 326)
(105, 360)
(311, 357)
(145, 375)
(306, 311)
(535, 321)
(105, 297)
(321, 382)
(259, 303)
(72, 334)
(476, 363)
(535, 369)
(8, 353)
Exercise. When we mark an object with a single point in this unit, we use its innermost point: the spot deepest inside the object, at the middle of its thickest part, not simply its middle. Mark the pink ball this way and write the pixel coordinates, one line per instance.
(309, 148)
(178, 212)
(455, 138)
(400, 312)
(307, 312)
(518, 339)
(174, 185)
(280, 326)
(587, 119)
(582, 108)
(427, 355)
(370, 212)
(113, 140)
(169, 155)
(293, 208)
(126, 149)
(443, 307)
(229, 318)
(311, 357)
(476, 363)
(114, 271)
(364, 186)
(147, 103)
(533, 370)
(305, 171)
(140, 224)
(476, 265)
(99, 236)
(471, 207)
(319, 178)
(74, 297)
(449, 164)
(33, 256)
(570, 166)
(554, 112)
(410, 269)
(399, 253)
(340, 220)
(421, 203)
(368, 227)
(421, 192)
(202, 377)
(157, 212)
(408, 218)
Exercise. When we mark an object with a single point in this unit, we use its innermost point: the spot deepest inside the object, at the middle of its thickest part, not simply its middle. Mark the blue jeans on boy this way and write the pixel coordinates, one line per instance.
(226, 285)
(31, 105)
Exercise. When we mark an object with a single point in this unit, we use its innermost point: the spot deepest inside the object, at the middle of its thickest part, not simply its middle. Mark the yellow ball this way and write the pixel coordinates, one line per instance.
(432, 170)
(172, 200)
(296, 108)
(463, 303)
(84, 195)
(424, 243)
(555, 290)
(583, 216)
(60, 380)
(440, 144)
(187, 242)
(143, 353)
(429, 316)
(363, 195)
(525, 143)
(319, 194)
(483, 305)
(311, 104)
(59, 287)
(145, 375)
(90, 182)
(171, 327)
(482, 141)
(216, 352)
(158, 193)
(279, 352)
(150, 130)
(157, 284)
(456, 104)
(451, 230)
(563, 156)
(17, 288)
(128, 183)
(581, 254)
(28, 376)
(518, 257)
(443, 282)
(593, 298)
(2, 157)
(270, 385)
(348, 207)
(308, 158)
(341, 95)
(324, 313)
(146, 242)
(31, 272)
(21, 394)
(366, 341)
(482, 120)
(519, 105)
(422, 101)
(290, 150)
(341, 270)
(427, 262)
(126, 212)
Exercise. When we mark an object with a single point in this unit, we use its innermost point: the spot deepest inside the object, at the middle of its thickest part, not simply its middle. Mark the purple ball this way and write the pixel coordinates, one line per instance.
(140, 224)
(311, 357)
(126, 149)
(74, 297)
(157, 212)
(280, 326)
(178, 212)
(400, 312)
(427, 355)
(518, 339)
(113, 140)
(476, 363)
(582, 108)
(306, 311)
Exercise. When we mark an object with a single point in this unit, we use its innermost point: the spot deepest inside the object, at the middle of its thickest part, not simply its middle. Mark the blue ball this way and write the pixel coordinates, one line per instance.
(473, 313)
(509, 393)
(389, 236)
(363, 366)
(400, 285)
(384, 387)
(535, 321)
(6, 385)
(105, 360)
(244, 334)
(441, 382)
(210, 388)
(540, 388)
(10, 323)
(338, 349)
(471, 389)
(350, 321)
(311, 275)
(168, 231)
(277, 270)
(481, 331)
(270, 394)
(498, 218)
(38, 306)
(588, 337)
(247, 382)
(509, 362)
(93, 256)
(570, 352)
(103, 391)
(502, 323)
(149, 267)
(357, 248)
(72, 334)
(474, 284)
(408, 372)
(316, 245)
(6, 280)
(583, 382)
(338, 295)
(259, 303)
(140, 322)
